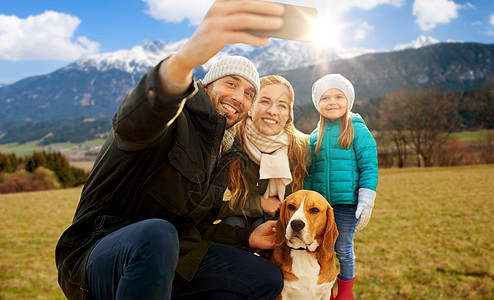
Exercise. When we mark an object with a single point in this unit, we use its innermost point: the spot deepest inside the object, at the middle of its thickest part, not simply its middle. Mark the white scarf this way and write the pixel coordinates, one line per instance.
(271, 154)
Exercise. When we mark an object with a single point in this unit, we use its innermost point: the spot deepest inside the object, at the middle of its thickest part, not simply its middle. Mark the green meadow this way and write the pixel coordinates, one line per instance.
(431, 236)
(68, 149)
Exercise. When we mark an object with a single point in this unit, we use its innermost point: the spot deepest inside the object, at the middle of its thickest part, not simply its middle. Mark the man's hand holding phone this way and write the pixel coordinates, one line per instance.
(250, 22)
(298, 24)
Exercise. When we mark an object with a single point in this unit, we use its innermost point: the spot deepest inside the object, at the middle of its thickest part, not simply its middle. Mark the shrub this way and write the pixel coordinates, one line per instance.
(488, 152)
(22, 181)
(386, 158)
(47, 176)
(452, 153)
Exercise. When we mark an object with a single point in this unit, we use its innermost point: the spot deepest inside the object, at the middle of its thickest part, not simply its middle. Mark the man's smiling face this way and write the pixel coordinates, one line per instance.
(231, 95)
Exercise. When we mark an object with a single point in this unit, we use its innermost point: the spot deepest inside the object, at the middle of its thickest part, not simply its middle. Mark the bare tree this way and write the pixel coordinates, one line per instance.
(431, 117)
(420, 119)
(480, 103)
(392, 120)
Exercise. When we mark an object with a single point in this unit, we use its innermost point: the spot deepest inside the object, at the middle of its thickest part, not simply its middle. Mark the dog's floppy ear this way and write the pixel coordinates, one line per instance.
(331, 232)
(281, 226)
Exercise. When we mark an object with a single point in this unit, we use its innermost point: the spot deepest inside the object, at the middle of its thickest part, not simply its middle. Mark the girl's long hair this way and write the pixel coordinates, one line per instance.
(297, 145)
(346, 132)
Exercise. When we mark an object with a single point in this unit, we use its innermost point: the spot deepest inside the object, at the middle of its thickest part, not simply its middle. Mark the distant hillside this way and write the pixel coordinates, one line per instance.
(449, 66)
(49, 132)
(63, 95)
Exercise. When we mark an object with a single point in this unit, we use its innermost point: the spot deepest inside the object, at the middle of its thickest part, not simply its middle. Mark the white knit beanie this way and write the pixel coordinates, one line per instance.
(233, 65)
(330, 81)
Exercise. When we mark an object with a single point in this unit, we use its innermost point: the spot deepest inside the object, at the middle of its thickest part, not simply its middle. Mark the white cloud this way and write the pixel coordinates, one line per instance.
(48, 36)
(362, 31)
(429, 13)
(491, 21)
(371, 4)
(177, 11)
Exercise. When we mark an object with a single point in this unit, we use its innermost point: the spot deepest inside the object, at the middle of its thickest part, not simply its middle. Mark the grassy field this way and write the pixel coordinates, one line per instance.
(473, 136)
(431, 237)
(31, 224)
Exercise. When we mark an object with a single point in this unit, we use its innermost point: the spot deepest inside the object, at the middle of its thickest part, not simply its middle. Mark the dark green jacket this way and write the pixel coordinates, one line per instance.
(252, 208)
(160, 161)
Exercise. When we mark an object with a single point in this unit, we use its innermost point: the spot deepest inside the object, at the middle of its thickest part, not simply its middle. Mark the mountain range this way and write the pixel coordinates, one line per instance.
(448, 66)
(94, 86)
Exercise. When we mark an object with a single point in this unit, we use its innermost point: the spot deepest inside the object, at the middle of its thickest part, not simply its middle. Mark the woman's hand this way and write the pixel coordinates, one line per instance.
(270, 205)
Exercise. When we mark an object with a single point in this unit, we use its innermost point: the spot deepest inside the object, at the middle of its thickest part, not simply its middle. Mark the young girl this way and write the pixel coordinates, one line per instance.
(344, 168)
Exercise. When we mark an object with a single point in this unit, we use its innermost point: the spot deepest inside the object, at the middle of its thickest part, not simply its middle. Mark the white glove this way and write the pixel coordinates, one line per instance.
(366, 199)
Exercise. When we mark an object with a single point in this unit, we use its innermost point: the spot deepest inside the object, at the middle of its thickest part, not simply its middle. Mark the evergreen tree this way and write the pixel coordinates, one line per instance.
(9, 162)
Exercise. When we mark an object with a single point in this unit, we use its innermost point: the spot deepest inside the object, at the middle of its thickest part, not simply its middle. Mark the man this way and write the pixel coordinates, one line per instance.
(145, 225)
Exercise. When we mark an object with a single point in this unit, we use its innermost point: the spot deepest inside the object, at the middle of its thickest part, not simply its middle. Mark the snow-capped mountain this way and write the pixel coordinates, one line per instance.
(420, 42)
(139, 59)
(278, 55)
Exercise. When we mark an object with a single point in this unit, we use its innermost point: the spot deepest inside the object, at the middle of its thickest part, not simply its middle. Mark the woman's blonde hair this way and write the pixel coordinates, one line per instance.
(346, 131)
(297, 144)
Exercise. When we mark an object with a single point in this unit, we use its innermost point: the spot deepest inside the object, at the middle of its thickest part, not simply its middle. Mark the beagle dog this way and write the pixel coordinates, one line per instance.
(305, 237)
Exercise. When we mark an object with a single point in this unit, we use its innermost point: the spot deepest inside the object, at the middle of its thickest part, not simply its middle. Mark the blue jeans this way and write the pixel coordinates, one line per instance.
(134, 262)
(138, 262)
(231, 273)
(344, 216)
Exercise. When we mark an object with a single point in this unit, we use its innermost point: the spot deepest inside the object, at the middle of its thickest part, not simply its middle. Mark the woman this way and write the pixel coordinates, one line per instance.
(278, 157)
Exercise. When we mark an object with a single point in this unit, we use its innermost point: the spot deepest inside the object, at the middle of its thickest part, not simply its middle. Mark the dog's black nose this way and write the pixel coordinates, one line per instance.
(297, 225)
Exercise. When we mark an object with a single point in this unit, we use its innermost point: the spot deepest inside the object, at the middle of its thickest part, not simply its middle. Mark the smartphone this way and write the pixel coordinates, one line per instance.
(298, 23)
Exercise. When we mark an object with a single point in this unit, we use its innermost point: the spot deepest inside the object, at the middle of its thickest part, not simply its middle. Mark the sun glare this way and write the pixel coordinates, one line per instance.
(325, 33)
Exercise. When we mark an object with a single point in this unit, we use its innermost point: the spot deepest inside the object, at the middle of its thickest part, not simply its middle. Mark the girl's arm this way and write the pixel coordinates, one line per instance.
(366, 154)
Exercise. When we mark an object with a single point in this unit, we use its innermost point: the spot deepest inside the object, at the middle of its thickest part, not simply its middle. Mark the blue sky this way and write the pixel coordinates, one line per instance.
(38, 37)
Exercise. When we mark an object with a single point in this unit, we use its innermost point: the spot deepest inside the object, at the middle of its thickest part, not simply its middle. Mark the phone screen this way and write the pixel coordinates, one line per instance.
(298, 22)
